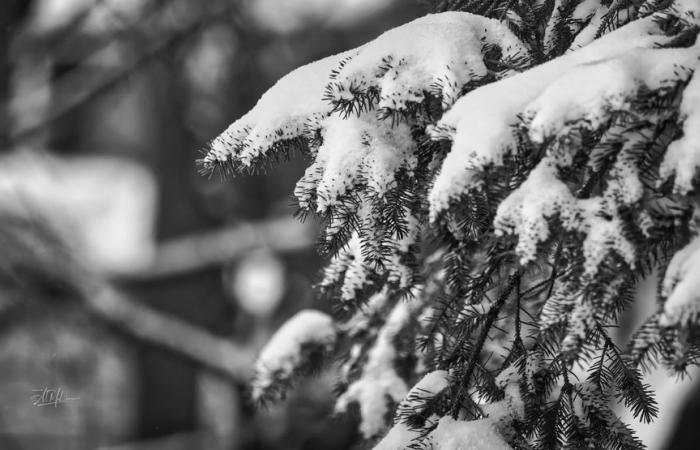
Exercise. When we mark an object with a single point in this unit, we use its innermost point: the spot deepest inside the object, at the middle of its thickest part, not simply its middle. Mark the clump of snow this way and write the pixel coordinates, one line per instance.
(279, 115)
(379, 380)
(452, 434)
(584, 21)
(285, 352)
(688, 10)
(550, 31)
(359, 322)
(489, 432)
(428, 386)
(438, 52)
(594, 18)
(339, 160)
(604, 235)
(392, 148)
(587, 94)
(559, 107)
(534, 363)
(480, 123)
(400, 436)
(525, 212)
(349, 269)
(357, 273)
(361, 153)
(681, 287)
(683, 156)
(512, 405)
(356, 150)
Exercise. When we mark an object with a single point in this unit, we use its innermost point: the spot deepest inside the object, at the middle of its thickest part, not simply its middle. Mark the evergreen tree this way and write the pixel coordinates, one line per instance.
(493, 181)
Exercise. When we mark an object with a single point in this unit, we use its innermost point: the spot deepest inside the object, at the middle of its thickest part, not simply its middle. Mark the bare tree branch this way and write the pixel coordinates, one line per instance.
(198, 251)
(217, 354)
(78, 93)
(37, 268)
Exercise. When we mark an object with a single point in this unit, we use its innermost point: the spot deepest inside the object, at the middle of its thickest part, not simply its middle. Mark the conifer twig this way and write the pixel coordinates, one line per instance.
(491, 317)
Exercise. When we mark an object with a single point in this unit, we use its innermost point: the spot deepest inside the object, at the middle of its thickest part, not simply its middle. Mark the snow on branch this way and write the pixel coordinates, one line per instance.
(299, 347)
(279, 119)
(401, 435)
(446, 432)
(398, 68)
(373, 152)
(491, 189)
(452, 434)
(481, 124)
(682, 157)
(681, 287)
(437, 54)
(379, 381)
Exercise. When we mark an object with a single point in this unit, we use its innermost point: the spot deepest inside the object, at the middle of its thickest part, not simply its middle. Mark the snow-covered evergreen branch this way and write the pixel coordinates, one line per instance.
(493, 181)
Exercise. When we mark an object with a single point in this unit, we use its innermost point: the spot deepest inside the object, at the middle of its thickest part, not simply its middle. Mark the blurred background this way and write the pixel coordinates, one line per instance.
(134, 292)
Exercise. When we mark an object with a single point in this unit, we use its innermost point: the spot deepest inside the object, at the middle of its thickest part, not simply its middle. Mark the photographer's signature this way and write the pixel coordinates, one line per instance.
(50, 397)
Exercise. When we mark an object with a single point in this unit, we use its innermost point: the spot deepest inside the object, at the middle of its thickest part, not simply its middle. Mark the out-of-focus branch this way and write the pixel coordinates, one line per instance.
(80, 94)
(36, 268)
(184, 255)
(195, 252)
(201, 347)
(187, 254)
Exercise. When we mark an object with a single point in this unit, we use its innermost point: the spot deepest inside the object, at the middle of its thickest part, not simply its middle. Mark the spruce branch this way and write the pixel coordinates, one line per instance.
(492, 315)
(533, 207)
